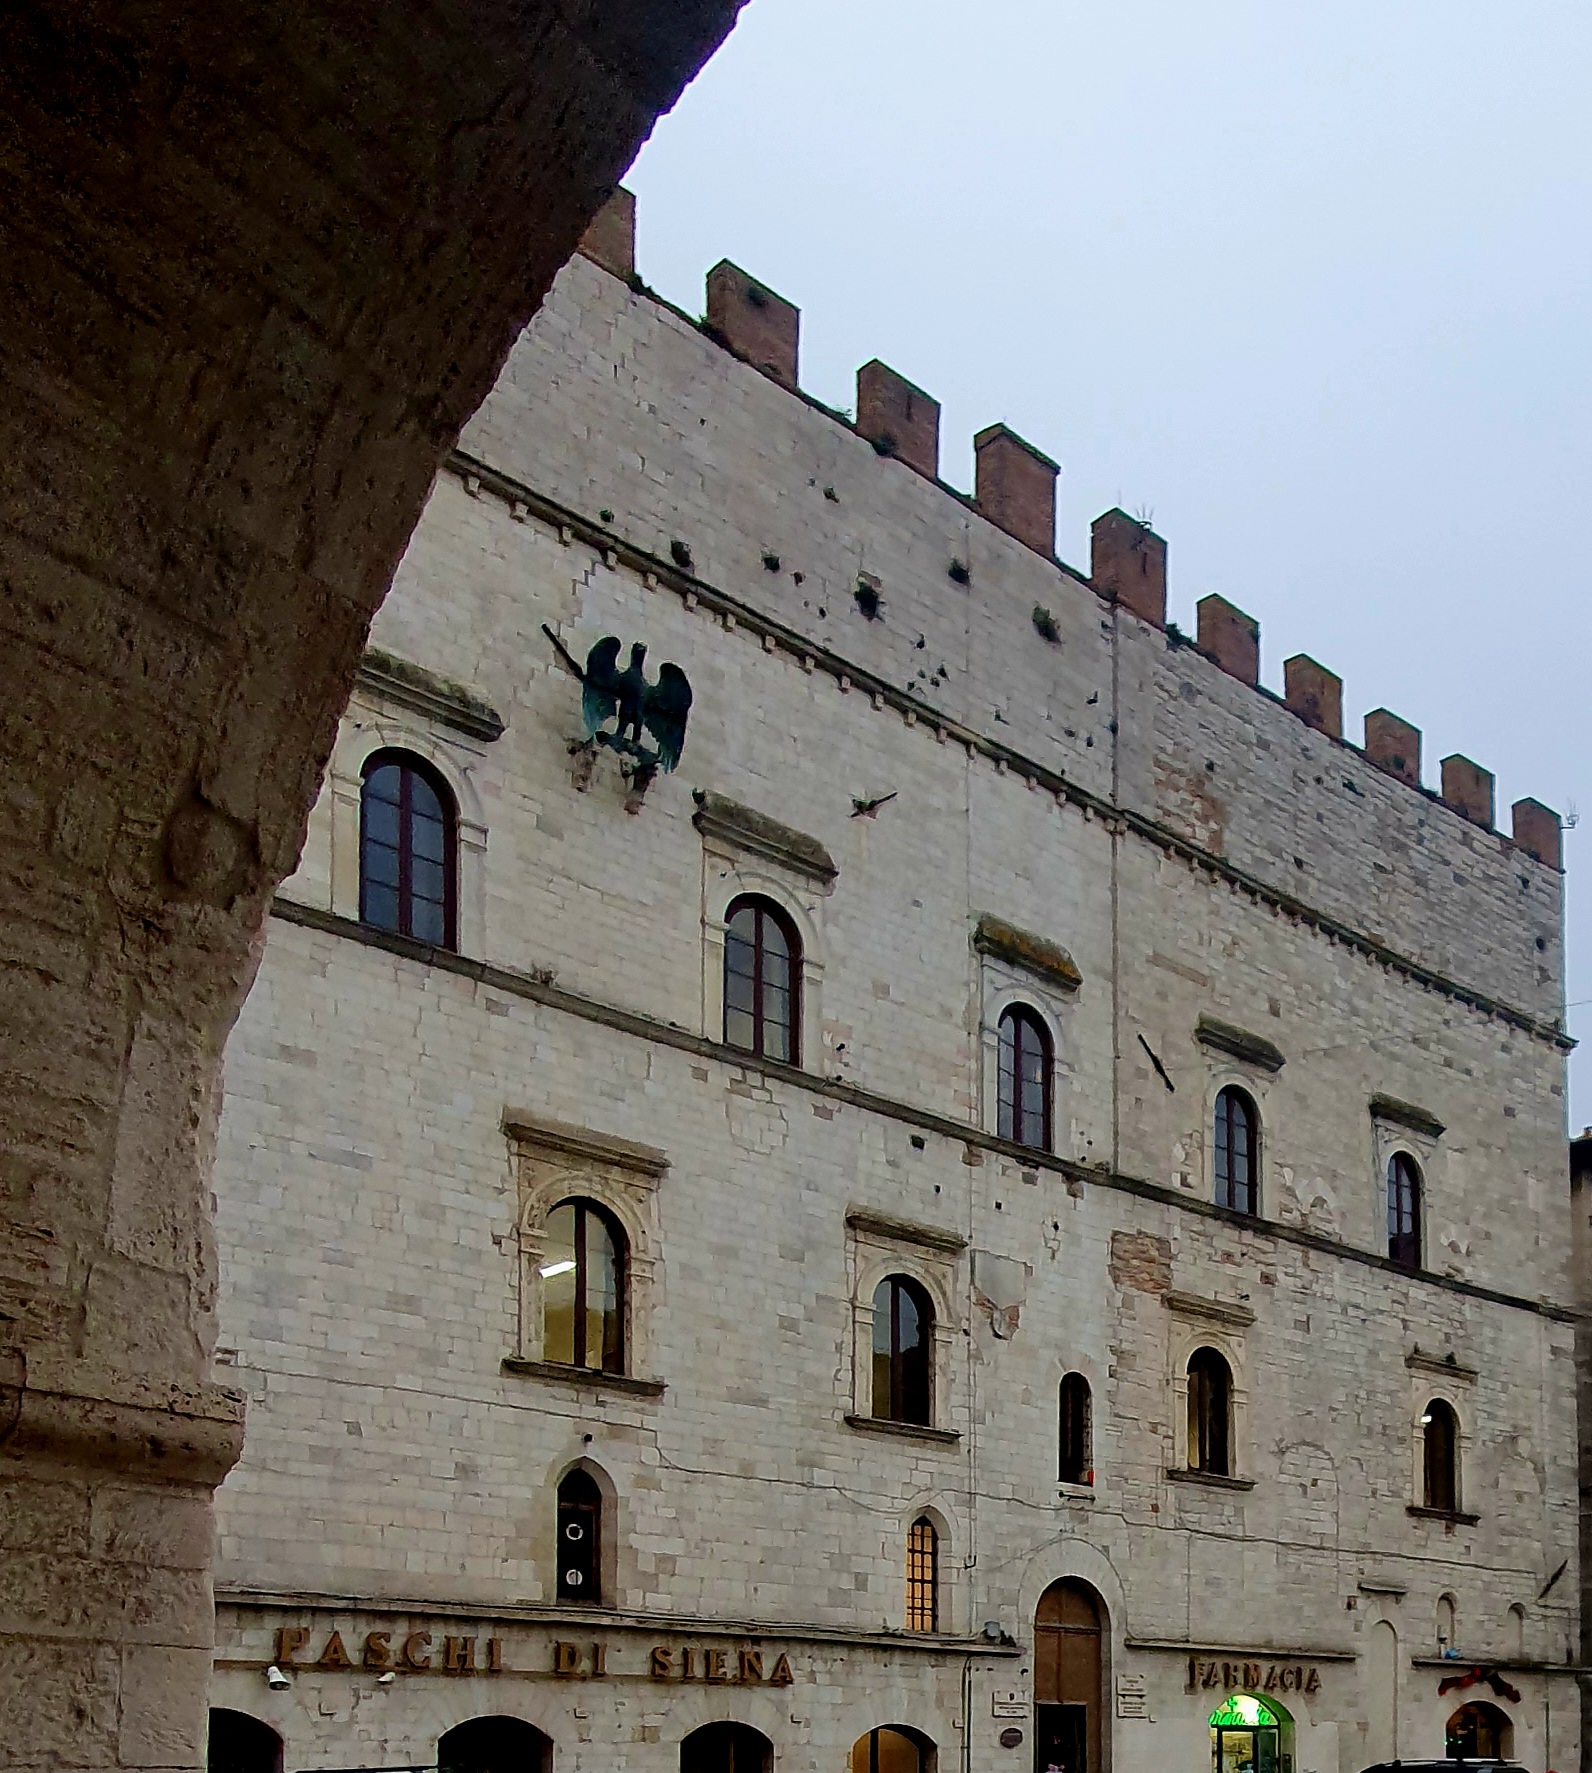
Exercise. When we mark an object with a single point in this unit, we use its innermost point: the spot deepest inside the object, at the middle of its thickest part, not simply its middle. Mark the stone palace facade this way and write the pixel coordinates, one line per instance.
(1008, 1213)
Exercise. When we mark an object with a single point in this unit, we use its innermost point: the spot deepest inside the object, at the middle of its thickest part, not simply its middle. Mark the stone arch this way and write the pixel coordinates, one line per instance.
(726, 1747)
(206, 508)
(241, 1743)
(494, 1744)
(1072, 1666)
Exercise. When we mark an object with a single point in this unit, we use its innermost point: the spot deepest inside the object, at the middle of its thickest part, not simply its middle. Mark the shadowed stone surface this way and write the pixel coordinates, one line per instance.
(258, 265)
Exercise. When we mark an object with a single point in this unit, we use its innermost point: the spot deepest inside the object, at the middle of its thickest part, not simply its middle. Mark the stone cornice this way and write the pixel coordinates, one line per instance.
(541, 991)
(1239, 1044)
(1406, 1114)
(746, 829)
(1047, 960)
(776, 637)
(538, 1133)
(904, 1231)
(438, 698)
(1208, 1311)
(605, 1618)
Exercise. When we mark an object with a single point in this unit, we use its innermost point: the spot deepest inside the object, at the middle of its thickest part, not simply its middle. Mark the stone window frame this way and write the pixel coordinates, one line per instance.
(552, 1163)
(1258, 1085)
(1003, 987)
(1210, 1323)
(928, 1506)
(728, 875)
(333, 852)
(1432, 1379)
(876, 1248)
(1392, 1134)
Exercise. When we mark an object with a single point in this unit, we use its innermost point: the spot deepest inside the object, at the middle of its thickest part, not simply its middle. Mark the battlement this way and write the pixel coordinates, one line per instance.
(1015, 490)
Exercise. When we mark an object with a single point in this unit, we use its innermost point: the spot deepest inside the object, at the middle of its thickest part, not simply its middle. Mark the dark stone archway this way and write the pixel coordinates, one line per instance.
(258, 263)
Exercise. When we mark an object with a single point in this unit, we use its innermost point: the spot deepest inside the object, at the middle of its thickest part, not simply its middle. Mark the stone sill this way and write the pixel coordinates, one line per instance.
(1213, 1480)
(1454, 1516)
(585, 1377)
(905, 1431)
(1075, 1493)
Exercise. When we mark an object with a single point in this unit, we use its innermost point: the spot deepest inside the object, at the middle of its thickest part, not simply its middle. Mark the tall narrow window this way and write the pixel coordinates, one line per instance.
(903, 1335)
(580, 1530)
(408, 860)
(1403, 1211)
(1210, 1405)
(583, 1288)
(762, 981)
(1024, 1078)
(1440, 1455)
(1077, 1431)
(1237, 1151)
(923, 1576)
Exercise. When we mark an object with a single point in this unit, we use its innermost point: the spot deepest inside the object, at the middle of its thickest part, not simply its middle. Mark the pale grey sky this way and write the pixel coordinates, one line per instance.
(1311, 282)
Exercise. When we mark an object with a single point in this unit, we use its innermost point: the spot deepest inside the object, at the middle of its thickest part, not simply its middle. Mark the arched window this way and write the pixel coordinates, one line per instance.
(580, 1539)
(408, 861)
(1077, 1431)
(899, 1749)
(762, 981)
(1024, 1078)
(1479, 1732)
(923, 1576)
(1237, 1152)
(726, 1748)
(1403, 1211)
(1447, 1613)
(903, 1339)
(1210, 1406)
(241, 1744)
(583, 1288)
(494, 1745)
(1440, 1456)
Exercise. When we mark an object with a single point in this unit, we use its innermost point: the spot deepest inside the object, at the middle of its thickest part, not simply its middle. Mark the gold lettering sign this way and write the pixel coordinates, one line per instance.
(417, 1652)
(714, 1665)
(1252, 1677)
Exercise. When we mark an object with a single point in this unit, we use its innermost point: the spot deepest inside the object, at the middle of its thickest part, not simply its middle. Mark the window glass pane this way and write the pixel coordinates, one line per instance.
(380, 907)
(423, 800)
(774, 943)
(558, 1275)
(603, 1343)
(383, 783)
(381, 821)
(428, 922)
(776, 1041)
(738, 1029)
(429, 839)
(426, 880)
(381, 865)
(739, 992)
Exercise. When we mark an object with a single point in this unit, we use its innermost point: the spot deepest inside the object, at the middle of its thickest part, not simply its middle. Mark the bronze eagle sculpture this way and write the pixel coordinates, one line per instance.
(660, 709)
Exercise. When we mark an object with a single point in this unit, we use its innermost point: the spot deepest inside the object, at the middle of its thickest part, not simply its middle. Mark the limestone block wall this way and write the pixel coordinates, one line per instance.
(1190, 863)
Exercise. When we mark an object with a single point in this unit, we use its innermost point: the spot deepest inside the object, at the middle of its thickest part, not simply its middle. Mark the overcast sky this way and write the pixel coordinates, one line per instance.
(1311, 282)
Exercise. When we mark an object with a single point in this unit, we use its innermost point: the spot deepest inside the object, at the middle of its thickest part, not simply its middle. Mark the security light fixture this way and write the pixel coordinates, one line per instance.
(276, 1680)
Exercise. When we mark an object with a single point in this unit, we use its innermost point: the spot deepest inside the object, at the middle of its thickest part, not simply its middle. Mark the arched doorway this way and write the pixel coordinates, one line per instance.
(896, 1749)
(726, 1748)
(1479, 1732)
(1246, 1735)
(494, 1745)
(1069, 1679)
(241, 1744)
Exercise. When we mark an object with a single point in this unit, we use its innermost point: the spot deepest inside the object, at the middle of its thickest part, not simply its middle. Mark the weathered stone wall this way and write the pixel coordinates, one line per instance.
(258, 265)
(371, 1211)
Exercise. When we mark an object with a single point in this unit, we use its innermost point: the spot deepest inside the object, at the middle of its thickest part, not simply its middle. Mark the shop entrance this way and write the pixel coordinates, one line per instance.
(1246, 1737)
(1068, 1680)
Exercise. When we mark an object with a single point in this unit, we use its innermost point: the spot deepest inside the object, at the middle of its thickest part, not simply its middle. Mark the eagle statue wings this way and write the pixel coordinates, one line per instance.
(659, 708)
